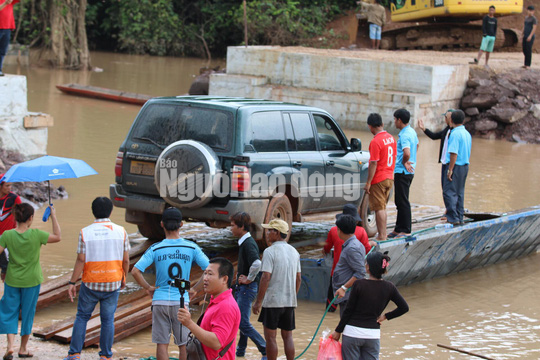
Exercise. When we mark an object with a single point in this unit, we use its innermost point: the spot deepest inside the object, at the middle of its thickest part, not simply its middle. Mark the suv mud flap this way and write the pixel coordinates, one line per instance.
(142, 203)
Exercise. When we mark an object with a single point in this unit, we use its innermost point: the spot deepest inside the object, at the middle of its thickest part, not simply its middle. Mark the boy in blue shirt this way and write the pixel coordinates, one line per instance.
(407, 147)
(173, 258)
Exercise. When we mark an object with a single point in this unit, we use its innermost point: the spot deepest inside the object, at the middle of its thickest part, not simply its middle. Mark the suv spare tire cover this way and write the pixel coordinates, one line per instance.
(185, 174)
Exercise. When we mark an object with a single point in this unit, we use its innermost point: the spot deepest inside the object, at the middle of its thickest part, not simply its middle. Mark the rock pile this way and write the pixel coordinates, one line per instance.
(36, 193)
(503, 105)
(201, 84)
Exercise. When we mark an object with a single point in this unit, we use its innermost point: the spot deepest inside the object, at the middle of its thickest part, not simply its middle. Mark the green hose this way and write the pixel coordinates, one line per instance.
(318, 327)
(320, 323)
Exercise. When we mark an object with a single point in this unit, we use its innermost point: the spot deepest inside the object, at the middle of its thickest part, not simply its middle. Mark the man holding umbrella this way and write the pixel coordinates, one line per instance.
(7, 222)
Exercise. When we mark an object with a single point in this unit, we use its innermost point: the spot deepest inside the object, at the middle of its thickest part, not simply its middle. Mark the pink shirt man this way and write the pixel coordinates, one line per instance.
(220, 317)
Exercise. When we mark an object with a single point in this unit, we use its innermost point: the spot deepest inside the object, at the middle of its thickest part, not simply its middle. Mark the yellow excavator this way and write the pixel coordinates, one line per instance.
(445, 24)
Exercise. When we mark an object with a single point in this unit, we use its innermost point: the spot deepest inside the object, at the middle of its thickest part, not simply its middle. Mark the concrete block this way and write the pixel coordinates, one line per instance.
(13, 100)
(29, 142)
(36, 120)
(348, 87)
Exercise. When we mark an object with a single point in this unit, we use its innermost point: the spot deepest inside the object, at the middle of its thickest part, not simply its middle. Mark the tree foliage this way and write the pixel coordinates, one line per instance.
(188, 27)
(58, 28)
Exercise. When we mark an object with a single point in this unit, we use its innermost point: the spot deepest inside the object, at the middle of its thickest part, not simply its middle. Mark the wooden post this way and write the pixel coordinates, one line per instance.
(245, 24)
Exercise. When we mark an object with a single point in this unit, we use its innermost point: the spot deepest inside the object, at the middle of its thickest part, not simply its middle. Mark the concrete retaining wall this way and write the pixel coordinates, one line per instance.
(30, 141)
(350, 88)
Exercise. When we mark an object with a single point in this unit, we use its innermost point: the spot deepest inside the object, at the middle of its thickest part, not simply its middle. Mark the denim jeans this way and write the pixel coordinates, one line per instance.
(245, 294)
(5, 37)
(107, 306)
(360, 349)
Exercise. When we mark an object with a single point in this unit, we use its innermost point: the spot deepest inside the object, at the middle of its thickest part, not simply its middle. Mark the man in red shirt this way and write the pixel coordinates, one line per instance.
(382, 161)
(7, 222)
(221, 320)
(333, 241)
(7, 24)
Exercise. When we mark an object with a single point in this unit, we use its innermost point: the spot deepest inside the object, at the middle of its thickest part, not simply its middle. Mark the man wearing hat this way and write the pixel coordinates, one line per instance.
(7, 222)
(333, 241)
(173, 258)
(280, 282)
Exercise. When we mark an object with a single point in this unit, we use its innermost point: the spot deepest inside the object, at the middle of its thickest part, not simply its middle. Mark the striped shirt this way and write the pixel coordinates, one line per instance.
(106, 286)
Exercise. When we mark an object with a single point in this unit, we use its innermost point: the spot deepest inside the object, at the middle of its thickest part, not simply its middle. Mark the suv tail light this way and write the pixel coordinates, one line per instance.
(241, 181)
(118, 164)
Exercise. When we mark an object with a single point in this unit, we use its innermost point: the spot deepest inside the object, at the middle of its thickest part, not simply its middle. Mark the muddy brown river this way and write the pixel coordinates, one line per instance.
(492, 311)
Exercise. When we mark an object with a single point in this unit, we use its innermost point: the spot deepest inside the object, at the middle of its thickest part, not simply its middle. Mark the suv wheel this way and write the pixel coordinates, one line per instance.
(368, 217)
(278, 208)
(151, 228)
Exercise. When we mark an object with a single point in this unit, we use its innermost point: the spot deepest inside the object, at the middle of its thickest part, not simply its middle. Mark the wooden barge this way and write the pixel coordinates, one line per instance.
(428, 253)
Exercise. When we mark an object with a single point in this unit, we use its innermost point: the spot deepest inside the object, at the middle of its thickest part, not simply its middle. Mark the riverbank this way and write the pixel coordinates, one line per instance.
(476, 310)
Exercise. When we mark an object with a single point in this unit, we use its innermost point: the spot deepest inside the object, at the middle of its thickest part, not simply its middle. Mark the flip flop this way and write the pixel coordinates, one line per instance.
(26, 355)
(392, 235)
(8, 356)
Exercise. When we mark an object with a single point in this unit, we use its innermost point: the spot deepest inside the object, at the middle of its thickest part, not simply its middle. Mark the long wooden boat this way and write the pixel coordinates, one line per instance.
(430, 253)
(104, 93)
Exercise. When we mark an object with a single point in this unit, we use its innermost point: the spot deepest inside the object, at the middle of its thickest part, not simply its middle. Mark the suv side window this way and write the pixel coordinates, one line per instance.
(267, 132)
(303, 131)
(291, 144)
(329, 140)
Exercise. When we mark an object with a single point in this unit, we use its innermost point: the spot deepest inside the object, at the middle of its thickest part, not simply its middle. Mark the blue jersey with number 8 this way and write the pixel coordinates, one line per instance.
(172, 258)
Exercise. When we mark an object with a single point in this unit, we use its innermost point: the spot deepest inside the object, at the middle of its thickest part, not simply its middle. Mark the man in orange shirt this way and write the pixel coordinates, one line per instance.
(382, 161)
(7, 24)
(103, 261)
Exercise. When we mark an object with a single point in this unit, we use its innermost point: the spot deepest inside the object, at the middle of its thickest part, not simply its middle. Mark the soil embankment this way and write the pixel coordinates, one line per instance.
(504, 105)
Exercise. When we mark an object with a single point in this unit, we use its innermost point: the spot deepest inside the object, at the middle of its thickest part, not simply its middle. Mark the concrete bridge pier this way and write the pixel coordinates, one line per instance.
(350, 85)
(21, 130)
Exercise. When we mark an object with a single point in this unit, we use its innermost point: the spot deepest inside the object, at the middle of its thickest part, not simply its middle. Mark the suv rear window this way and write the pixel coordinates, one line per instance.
(165, 124)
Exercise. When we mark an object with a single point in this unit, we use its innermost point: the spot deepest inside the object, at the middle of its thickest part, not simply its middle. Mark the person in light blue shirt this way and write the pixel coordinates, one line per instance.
(407, 148)
(457, 157)
(172, 258)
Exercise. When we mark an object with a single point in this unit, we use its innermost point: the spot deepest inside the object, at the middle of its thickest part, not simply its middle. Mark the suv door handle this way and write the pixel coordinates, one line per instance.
(330, 163)
(297, 163)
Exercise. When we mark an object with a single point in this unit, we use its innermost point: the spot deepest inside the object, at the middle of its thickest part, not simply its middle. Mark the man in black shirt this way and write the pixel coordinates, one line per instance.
(489, 30)
(529, 28)
(249, 263)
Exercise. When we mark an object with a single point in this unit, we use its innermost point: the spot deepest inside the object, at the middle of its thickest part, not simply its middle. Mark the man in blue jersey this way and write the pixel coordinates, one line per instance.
(407, 147)
(173, 258)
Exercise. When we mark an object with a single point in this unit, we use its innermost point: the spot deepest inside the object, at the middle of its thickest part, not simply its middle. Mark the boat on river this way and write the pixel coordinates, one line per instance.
(431, 252)
(104, 93)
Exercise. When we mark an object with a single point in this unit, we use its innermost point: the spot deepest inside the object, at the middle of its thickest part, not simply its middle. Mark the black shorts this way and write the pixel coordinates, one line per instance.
(273, 318)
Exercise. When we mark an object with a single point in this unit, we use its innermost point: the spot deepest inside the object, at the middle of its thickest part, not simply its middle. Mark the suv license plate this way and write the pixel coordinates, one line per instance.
(142, 168)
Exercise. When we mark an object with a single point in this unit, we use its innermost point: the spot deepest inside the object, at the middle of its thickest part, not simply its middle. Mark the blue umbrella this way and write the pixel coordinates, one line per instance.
(48, 168)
